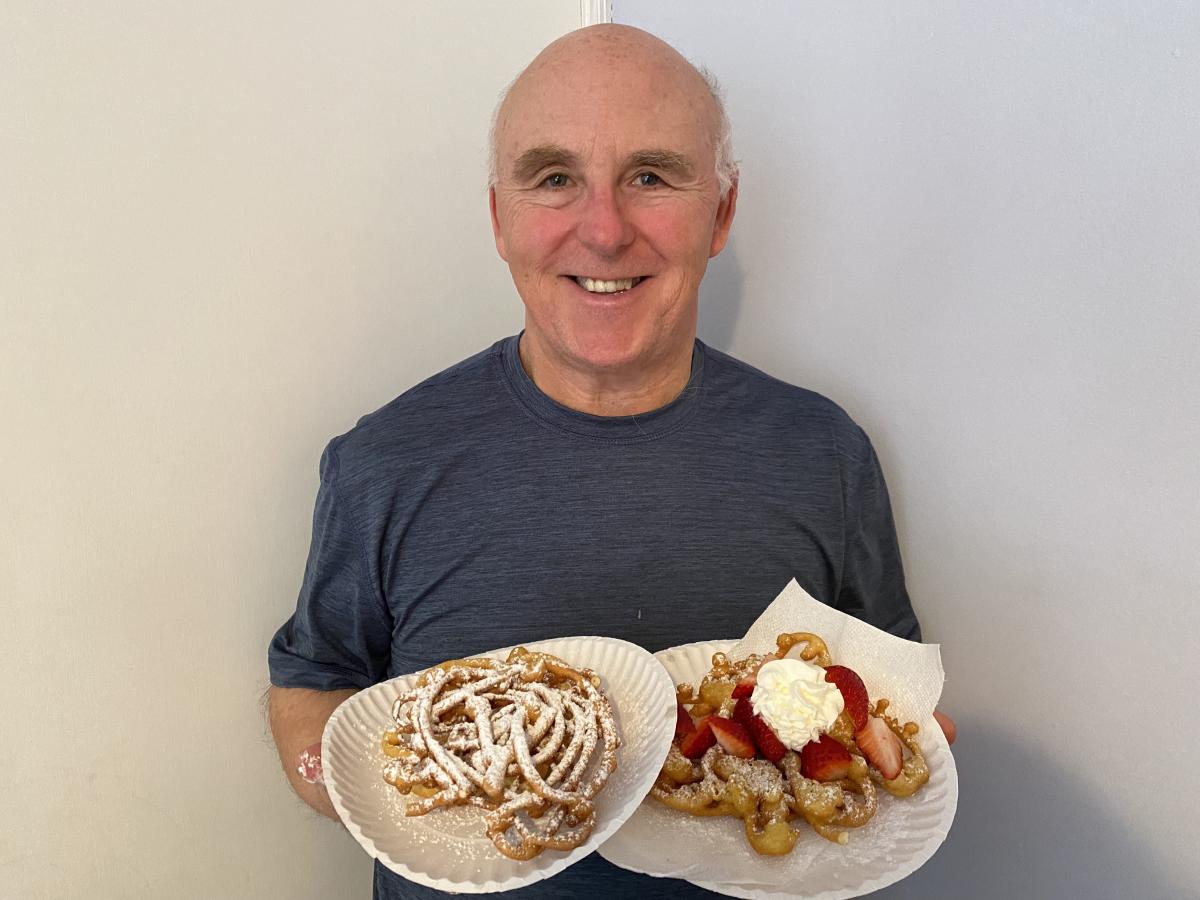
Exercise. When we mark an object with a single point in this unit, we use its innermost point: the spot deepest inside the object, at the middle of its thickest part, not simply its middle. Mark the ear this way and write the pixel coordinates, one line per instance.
(724, 220)
(496, 233)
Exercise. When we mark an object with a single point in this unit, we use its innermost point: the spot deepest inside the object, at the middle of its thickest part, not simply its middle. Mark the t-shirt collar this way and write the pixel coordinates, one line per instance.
(644, 426)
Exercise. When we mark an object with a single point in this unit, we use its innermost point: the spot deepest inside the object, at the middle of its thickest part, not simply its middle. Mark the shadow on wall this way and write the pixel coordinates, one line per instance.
(1001, 782)
(721, 299)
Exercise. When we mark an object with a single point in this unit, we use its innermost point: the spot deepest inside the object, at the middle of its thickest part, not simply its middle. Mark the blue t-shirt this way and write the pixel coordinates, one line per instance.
(474, 512)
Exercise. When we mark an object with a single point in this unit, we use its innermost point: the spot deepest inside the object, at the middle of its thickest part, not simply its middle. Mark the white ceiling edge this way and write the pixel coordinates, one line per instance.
(593, 12)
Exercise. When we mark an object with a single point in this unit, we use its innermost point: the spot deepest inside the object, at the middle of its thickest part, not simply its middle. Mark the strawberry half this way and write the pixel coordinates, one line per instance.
(824, 760)
(743, 712)
(683, 722)
(854, 692)
(769, 745)
(732, 737)
(881, 747)
(745, 687)
(764, 738)
(697, 743)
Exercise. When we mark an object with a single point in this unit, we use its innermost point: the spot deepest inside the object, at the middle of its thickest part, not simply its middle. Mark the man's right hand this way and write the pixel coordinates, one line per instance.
(298, 718)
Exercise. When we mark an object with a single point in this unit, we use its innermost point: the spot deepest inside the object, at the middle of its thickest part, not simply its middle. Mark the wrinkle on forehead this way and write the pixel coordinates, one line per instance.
(609, 48)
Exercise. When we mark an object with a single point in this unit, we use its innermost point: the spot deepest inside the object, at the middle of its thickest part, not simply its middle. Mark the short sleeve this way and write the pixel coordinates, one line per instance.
(340, 634)
(872, 583)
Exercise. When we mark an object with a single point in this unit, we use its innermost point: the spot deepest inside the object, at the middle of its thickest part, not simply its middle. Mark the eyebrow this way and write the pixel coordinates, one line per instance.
(547, 156)
(535, 159)
(666, 160)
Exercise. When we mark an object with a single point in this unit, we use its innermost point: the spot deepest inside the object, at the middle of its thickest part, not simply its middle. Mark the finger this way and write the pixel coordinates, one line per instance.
(948, 726)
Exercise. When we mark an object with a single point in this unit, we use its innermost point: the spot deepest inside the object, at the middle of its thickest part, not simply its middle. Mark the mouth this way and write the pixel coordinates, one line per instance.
(608, 285)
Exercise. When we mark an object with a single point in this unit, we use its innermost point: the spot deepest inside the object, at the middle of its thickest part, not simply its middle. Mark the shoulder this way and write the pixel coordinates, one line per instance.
(771, 402)
(423, 418)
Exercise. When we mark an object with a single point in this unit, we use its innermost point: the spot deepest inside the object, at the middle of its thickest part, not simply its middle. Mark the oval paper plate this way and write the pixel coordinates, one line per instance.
(447, 849)
(713, 852)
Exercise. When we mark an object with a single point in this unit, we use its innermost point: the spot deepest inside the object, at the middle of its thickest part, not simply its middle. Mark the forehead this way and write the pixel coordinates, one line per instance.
(608, 105)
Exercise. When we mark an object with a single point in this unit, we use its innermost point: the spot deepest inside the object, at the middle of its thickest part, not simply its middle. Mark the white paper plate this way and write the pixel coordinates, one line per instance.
(713, 852)
(447, 849)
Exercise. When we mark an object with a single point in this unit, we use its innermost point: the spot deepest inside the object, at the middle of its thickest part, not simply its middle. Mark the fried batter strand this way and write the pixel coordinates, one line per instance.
(532, 740)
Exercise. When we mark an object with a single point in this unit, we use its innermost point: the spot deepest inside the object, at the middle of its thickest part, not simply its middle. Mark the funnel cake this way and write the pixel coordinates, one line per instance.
(530, 739)
(728, 760)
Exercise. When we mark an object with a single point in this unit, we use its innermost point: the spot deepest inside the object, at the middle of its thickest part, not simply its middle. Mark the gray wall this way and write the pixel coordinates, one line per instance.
(977, 228)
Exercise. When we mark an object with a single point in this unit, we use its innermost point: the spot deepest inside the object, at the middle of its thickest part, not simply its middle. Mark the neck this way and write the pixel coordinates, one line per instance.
(616, 392)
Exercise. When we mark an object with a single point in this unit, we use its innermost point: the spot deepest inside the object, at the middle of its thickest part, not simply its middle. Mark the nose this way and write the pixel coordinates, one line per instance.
(604, 225)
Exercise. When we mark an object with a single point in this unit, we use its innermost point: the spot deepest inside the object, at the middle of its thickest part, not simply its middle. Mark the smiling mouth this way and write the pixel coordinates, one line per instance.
(605, 286)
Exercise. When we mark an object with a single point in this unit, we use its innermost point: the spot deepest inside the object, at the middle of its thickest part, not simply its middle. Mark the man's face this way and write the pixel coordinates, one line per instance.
(605, 171)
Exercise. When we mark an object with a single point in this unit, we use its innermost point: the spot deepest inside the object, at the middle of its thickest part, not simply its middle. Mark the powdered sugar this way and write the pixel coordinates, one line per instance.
(449, 850)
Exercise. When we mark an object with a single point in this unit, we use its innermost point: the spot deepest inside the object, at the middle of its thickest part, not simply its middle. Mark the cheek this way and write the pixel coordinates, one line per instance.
(680, 235)
(537, 233)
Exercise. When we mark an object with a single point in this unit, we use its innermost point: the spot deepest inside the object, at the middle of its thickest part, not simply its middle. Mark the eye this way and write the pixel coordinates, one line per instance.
(556, 181)
(648, 179)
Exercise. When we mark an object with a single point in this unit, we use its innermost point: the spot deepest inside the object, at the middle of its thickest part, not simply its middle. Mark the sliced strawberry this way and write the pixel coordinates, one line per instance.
(769, 745)
(745, 687)
(824, 760)
(743, 712)
(732, 737)
(881, 747)
(760, 732)
(854, 692)
(697, 743)
(683, 722)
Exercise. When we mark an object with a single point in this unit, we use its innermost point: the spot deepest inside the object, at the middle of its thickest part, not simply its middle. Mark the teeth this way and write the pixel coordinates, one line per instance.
(596, 286)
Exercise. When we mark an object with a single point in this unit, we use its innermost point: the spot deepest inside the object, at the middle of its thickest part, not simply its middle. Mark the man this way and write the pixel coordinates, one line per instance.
(604, 472)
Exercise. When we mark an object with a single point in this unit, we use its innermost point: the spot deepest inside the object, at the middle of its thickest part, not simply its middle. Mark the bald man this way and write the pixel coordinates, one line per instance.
(603, 472)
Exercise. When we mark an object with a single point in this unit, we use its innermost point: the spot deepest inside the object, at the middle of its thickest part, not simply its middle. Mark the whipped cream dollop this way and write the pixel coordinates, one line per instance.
(794, 698)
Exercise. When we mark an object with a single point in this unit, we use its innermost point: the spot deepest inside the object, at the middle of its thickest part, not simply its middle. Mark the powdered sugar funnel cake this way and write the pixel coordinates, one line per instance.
(712, 852)
(448, 849)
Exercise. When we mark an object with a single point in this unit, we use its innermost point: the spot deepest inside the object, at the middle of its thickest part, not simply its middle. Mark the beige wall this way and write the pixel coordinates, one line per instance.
(226, 230)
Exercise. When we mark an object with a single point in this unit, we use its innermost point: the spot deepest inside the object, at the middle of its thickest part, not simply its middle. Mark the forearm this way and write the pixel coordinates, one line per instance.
(298, 718)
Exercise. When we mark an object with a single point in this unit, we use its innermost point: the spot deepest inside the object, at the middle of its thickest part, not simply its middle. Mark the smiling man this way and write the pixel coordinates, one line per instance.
(612, 188)
(603, 472)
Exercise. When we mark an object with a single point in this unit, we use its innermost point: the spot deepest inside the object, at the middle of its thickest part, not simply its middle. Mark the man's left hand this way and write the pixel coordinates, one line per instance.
(948, 726)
